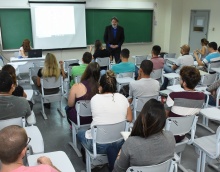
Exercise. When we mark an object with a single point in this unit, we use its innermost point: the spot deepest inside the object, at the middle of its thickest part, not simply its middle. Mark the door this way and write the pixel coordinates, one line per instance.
(198, 28)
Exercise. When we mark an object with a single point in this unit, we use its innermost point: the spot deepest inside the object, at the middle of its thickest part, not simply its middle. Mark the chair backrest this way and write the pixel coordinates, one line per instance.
(77, 79)
(139, 59)
(208, 79)
(14, 121)
(170, 55)
(217, 142)
(67, 63)
(104, 61)
(139, 102)
(182, 125)
(51, 82)
(217, 97)
(214, 63)
(126, 74)
(83, 108)
(156, 74)
(38, 64)
(167, 166)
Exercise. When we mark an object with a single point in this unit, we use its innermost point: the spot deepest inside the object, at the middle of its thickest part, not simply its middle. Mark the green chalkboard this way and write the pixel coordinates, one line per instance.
(15, 27)
(137, 24)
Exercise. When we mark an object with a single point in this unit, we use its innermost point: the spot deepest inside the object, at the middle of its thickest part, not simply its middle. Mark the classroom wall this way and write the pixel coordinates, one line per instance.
(213, 6)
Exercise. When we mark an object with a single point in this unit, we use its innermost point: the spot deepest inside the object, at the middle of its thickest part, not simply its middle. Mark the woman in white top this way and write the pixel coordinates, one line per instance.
(108, 107)
(204, 51)
(24, 48)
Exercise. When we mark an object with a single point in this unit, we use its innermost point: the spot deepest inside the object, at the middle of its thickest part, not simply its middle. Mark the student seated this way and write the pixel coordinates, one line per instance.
(213, 89)
(158, 62)
(124, 65)
(108, 107)
(13, 148)
(213, 53)
(11, 106)
(204, 51)
(25, 47)
(84, 90)
(99, 51)
(79, 70)
(189, 101)
(148, 143)
(184, 60)
(145, 86)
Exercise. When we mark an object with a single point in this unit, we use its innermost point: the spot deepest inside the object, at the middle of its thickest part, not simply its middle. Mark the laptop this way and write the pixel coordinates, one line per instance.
(35, 53)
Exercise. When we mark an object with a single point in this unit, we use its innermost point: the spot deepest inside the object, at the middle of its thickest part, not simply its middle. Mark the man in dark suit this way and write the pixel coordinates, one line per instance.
(114, 38)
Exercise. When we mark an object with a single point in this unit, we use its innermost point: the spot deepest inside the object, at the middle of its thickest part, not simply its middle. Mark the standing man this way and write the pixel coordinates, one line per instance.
(114, 38)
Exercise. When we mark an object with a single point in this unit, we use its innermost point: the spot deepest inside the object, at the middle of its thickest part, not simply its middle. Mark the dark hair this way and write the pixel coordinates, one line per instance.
(213, 45)
(13, 139)
(204, 41)
(98, 45)
(219, 49)
(87, 57)
(156, 49)
(92, 75)
(147, 66)
(151, 119)
(114, 18)
(26, 45)
(125, 53)
(5, 82)
(11, 70)
(108, 82)
(190, 75)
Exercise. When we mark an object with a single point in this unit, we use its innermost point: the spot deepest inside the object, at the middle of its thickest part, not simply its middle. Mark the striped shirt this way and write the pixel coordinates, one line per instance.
(185, 103)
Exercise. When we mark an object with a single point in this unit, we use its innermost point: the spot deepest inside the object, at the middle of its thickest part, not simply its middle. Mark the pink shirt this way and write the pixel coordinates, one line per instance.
(41, 168)
(158, 62)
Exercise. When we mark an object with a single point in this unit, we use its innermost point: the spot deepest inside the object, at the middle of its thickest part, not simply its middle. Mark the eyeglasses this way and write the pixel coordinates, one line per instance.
(28, 141)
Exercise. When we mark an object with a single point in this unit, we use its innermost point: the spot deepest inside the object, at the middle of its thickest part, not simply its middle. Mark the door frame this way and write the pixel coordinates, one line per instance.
(209, 11)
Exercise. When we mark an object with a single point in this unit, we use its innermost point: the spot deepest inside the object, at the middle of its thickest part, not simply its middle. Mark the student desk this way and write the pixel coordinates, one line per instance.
(28, 63)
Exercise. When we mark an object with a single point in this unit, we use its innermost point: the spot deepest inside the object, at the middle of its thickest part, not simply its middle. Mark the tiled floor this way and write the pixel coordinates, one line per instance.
(56, 134)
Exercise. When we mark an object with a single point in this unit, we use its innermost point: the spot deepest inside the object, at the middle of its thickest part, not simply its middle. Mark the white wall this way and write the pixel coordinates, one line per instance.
(213, 6)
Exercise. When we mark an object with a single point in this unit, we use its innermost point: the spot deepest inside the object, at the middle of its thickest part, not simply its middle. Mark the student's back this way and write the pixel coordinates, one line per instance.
(123, 67)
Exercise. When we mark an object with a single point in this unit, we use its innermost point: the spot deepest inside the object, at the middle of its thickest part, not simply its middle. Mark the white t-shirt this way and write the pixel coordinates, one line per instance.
(185, 60)
(20, 49)
(107, 109)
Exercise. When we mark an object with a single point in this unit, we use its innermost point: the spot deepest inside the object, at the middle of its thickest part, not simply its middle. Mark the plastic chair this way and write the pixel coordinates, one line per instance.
(139, 59)
(170, 55)
(68, 63)
(157, 74)
(167, 166)
(103, 62)
(34, 70)
(214, 63)
(208, 148)
(208, 79)
(181, 126)
(103, 134)
(124, 79)
(49, 83)
(139, 102)
(36, 144)
(77, 79)
(83, 109)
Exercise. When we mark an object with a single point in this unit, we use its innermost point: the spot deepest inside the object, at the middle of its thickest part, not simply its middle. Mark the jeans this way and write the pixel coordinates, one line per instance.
(167, 69)
(101, 148)
(212, 100)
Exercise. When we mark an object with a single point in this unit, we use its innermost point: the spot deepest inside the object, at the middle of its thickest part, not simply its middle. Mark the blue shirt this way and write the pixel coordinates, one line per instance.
(123, 67)
(210, 56)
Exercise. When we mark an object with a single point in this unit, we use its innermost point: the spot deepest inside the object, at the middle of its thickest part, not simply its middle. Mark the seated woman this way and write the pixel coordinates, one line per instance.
(19, 91)
(100, 52)
(84, 90)
(25, 47)
(108, 107)
(50, 69)
(148, 144)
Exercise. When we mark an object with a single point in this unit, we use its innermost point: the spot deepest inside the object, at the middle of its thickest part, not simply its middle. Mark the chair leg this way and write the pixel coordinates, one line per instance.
(60, 109)
(43, 112)
(88, 162)
(203, 162)
(74, 143)
(199, 161)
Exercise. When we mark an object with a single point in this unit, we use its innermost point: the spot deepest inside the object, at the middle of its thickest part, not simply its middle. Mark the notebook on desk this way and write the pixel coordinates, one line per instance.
(35, 53)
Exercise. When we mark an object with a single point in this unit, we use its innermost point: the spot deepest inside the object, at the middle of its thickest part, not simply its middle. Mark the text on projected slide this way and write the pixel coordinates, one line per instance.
(47, 24)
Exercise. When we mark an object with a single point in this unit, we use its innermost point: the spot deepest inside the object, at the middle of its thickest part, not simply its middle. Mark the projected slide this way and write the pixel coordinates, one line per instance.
(56, 26)
(54, 21)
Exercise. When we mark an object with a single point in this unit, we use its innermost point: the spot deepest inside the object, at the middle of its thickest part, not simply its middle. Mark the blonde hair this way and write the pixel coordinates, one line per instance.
(50, 68)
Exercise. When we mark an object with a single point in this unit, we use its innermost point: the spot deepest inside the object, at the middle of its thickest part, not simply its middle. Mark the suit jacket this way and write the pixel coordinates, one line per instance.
(109, 36)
